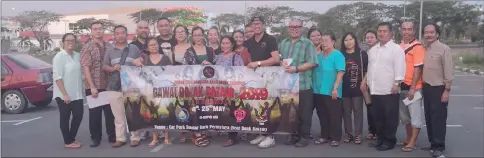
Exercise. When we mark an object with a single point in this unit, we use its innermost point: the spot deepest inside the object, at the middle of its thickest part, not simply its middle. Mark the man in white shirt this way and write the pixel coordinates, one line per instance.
(386, 70)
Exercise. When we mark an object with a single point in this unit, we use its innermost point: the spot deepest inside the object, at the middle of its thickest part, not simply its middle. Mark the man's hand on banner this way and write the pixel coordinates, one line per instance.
(137, 62)
(252, 65)
(205, 62)
(290, 69)
(117, 67)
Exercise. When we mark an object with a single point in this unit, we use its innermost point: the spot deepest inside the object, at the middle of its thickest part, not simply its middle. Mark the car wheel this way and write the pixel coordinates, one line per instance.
(14, 102)
(43, 103)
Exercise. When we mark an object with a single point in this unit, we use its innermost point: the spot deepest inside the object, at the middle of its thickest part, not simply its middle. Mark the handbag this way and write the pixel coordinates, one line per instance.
(365, 93)
(114, 83)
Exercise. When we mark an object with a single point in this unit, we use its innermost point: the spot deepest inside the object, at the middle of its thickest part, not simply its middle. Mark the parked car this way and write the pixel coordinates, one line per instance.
(25, 79)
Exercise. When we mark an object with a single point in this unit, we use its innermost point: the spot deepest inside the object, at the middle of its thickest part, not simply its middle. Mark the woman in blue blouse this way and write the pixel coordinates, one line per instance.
(328, 90)
(68, 90)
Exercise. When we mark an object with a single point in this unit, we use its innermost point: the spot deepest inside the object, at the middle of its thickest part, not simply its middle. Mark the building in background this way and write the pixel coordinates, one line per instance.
(118, 15)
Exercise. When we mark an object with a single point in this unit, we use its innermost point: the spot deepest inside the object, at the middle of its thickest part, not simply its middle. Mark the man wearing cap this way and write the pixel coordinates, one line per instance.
(263, 51)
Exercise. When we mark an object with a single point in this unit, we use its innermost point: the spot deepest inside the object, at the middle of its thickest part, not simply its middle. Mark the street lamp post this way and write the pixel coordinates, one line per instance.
(420, 28)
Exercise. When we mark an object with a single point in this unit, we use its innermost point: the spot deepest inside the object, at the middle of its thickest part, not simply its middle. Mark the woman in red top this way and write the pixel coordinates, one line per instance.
(240, 49)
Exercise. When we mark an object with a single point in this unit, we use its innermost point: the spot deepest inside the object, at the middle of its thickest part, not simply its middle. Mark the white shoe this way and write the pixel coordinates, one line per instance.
(257, 140)
(267, 143)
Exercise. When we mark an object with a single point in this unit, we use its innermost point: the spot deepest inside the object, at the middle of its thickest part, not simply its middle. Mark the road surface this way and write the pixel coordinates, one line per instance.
(37, 133)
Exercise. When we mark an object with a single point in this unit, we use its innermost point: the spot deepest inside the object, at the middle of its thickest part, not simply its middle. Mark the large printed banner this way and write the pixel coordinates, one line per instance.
(195, 97)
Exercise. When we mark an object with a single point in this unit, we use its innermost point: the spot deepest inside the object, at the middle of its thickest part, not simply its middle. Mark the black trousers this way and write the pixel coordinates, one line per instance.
(435, 115)
(233, 136)
(370, 121)
(76, 108)
(330, 113)
(306, 108)
(95, 120)
(385, 115)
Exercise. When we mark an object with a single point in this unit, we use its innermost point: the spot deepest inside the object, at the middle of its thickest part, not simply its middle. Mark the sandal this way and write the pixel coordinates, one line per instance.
(321, 141)
(408, 148)
(77, 143)
(230, 142)
(201, 141)
(402, 143)
(334, 143)
(72, 146)
(167, 142)
(153, 144)
(370, 136)
(183, 140)
(357, 139)
(348, 138)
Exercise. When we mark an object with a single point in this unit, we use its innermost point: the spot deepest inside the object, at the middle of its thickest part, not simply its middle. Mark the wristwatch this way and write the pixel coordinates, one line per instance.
(259, 63)
(447, 89)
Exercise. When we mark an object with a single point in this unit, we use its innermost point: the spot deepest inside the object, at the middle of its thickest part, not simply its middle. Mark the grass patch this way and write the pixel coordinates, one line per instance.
(470, 61)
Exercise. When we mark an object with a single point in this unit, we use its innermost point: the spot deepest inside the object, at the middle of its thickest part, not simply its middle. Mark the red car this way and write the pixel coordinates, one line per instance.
(25, 79)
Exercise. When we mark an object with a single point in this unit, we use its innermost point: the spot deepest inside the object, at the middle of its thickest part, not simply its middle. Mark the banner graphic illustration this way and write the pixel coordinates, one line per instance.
(197, 98)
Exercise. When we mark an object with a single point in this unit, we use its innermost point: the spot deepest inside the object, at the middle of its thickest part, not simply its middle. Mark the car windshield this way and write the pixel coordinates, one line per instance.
(28, 62)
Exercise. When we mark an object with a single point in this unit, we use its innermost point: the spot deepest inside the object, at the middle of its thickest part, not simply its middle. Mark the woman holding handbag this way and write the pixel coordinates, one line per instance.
(356, 64)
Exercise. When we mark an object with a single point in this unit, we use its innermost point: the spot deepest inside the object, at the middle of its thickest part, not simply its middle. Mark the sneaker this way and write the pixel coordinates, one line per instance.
(267, 142)
(257, 140)
(143, 135)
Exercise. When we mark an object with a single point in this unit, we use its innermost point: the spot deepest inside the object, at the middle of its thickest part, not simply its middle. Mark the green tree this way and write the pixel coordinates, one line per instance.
(84, 25)
(454, 17)
(271, 15)
(37, 21)
(228, 20)
(149, 15)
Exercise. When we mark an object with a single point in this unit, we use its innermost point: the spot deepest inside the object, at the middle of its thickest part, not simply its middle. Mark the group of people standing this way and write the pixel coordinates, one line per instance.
(337, 83)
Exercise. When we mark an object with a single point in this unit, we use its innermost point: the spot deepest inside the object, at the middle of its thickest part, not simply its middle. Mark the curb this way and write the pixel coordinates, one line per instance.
(472, 71)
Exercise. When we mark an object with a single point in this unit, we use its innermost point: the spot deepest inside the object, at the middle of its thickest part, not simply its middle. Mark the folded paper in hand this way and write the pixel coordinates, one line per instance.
(102, 99)
(288, 61)
(416, 96)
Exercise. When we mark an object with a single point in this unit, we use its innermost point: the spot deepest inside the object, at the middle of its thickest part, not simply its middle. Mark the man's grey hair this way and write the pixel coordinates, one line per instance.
(410, 20)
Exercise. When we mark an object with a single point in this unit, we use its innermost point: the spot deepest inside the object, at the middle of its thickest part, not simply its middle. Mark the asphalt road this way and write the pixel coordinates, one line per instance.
(36, 133)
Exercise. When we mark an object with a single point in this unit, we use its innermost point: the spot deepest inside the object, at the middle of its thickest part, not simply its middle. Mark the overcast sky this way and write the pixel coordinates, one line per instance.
(207, 6)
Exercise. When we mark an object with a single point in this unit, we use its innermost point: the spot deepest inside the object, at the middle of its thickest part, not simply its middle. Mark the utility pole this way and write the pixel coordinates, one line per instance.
(245, 12)
(420, 28)
(404, 8)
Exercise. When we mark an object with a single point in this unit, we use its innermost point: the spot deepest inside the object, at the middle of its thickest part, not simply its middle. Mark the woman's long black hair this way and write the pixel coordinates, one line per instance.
(343, 46)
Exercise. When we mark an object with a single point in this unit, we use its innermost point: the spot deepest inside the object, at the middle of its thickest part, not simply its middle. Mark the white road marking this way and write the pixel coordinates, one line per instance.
(449, 125)
(478, 108)
(12, 120)
(468, 95)
(161, 146)
(25, 121)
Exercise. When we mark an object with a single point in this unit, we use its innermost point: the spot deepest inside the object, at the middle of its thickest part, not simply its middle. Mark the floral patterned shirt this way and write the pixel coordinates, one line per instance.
(231, 60)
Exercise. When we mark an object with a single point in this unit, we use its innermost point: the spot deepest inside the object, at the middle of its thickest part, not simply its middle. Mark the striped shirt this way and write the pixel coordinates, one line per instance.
(301, 51)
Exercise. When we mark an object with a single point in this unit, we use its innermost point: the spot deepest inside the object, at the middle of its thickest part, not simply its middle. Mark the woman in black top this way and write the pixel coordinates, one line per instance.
(198, 53)
(153, 58)
(356, 66)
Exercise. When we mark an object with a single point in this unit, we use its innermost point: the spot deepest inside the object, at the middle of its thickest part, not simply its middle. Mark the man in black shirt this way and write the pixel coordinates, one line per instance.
(165, 39)
(263, 51)
(262, 47)
(142, 32)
